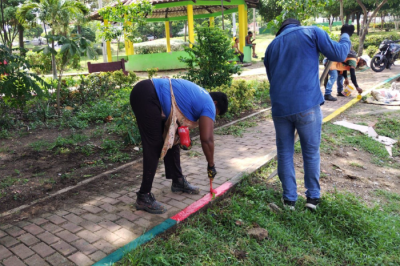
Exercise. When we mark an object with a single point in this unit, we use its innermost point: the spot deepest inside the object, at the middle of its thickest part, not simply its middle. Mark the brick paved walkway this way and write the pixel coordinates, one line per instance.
(81, 234)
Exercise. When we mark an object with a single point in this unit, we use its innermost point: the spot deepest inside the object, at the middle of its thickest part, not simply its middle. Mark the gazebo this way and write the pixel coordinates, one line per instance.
(174, 10)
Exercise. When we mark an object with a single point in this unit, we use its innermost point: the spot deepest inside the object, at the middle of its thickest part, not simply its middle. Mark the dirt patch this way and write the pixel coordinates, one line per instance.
(30, 169)
(351, 169)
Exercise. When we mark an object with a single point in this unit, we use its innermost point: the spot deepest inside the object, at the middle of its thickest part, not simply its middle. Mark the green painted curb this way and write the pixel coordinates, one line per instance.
(119, 253)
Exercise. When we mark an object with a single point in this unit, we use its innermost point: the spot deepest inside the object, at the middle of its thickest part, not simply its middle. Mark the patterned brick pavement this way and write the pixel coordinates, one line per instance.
(81, 234)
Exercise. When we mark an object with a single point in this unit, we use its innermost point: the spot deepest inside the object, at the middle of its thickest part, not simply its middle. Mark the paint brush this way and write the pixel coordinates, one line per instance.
(212, 191)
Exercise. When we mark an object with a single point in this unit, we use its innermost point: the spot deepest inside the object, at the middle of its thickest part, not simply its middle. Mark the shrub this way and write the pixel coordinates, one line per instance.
(371, 50)
(240, 96)
(208, 62)
(17, 85)
(158, 46)
(39, 59)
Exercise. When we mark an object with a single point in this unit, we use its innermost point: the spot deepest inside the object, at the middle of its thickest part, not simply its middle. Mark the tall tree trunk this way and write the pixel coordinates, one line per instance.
(21, 38)
(222, 14)
(347, 18)
(330, 21)
(358, 23)
(185, 30)
(341, 11)
(366, 23)
(58, 95)
(53, 62)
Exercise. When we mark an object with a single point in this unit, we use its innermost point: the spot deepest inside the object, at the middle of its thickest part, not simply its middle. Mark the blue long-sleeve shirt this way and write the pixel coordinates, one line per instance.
(292, 65)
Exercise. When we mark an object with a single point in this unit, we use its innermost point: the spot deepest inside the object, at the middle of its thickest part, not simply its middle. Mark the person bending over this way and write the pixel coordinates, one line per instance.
(160, 107)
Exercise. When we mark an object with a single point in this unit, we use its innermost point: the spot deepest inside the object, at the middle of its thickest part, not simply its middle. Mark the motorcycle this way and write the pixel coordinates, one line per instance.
(388, 53)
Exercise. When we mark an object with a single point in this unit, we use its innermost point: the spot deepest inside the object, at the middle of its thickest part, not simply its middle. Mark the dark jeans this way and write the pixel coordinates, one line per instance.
(147, 108)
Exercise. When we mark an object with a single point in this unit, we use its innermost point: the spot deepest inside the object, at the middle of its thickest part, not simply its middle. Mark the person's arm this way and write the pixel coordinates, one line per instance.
(346, 80)
(334, 51)
(354, 79)
(206, 126)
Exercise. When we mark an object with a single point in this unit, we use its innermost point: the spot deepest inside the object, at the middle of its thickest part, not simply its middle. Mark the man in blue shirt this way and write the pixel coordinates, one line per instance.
(292, 65)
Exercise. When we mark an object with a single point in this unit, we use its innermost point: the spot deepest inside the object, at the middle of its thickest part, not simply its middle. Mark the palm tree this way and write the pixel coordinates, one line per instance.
(56, 14)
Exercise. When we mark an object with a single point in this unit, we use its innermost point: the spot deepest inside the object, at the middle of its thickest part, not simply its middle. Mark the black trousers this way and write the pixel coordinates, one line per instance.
(147, 108)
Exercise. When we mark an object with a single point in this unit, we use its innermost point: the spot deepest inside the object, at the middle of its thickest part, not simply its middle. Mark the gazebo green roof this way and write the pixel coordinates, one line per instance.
(167, 10)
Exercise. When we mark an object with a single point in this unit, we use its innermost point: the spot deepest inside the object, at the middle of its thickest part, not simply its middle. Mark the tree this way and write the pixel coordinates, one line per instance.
(9, 24)
(17, 85)
(208, 62)
(367, 20)
(34, 32)
(56, 14)
(269, 9)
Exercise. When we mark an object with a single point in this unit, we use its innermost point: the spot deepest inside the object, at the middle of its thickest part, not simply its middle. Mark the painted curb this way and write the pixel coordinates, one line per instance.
(208, 198)
(146, 237)
(355, 100)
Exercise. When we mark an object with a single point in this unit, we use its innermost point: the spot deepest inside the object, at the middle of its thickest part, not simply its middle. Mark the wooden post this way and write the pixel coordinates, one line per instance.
(190, 24)
(167, 36)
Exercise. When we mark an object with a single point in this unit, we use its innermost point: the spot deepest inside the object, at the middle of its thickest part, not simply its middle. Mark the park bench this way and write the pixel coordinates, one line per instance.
(107, 67)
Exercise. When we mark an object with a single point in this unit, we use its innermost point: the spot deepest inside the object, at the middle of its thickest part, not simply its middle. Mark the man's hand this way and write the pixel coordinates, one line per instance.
(211, 171)
(349, 29)
(346, 82)
(359, 90)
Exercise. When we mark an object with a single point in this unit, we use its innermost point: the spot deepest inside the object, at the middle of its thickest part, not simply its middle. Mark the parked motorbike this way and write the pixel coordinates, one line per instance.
(388, 53)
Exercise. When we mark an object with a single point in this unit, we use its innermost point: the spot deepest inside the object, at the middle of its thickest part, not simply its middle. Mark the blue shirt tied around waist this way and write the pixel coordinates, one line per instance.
(192, 100)
(292, 65)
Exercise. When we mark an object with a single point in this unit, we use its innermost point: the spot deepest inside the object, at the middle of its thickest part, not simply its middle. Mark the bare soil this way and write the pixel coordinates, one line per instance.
(36, 174)
(351, 169)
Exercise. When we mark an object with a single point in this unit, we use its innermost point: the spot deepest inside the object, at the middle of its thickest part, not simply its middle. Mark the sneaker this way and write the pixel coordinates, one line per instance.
(329, 97)
(255, 56)
(288, 204)
(147, 202)
(340, 94)
(312, 203)
(182, 185)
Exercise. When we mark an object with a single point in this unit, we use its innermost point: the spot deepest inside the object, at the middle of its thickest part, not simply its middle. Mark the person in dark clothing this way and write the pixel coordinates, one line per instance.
(160, 106)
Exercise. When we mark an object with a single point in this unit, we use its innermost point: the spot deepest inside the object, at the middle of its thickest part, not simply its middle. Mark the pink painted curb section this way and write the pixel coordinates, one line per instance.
(195, 206)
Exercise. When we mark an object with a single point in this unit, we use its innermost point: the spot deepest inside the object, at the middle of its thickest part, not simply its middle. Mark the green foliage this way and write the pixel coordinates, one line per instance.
(18, 85)
(39, 59)
(371, 50)
(121, 79)
(86, 32)
(208, 62)
(374, 39)
(343, 231)
(34, 32)
(151, 72)
(134, 13)
(240, 95)
(156, 47)
(237, 129)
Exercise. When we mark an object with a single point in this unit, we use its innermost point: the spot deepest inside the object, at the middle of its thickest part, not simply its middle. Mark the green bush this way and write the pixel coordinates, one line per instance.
(159, 47)
(208, 62)
(240, 96)
(39, 59)
(371, 50)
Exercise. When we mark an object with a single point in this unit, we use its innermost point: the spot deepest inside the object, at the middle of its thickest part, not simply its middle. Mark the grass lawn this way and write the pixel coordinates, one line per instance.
(343, 231)
(346, 229)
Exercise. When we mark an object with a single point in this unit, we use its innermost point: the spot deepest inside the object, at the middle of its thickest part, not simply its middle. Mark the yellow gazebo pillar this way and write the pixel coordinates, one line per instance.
(127, 48)
(168, 36)
(108, 45)
(190, 24)
(242, 26)
(212, 22)
(246, 22)
(130, 50)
